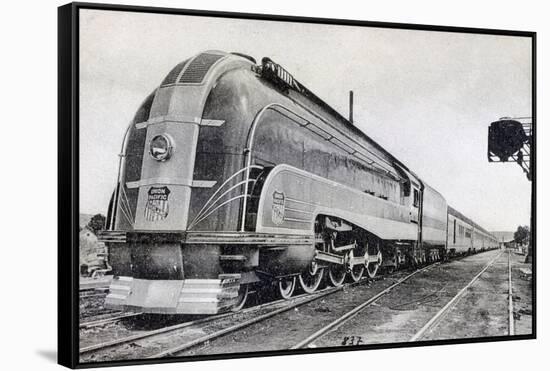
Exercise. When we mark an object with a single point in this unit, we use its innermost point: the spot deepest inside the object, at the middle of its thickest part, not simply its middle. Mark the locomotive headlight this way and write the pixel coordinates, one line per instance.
(160, 147)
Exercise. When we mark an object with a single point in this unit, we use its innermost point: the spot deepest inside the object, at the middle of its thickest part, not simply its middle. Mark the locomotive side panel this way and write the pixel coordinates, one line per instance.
(292, 198)
(281, 140)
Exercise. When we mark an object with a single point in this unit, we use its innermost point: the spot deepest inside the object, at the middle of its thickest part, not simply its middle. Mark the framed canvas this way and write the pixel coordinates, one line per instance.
(242, 185)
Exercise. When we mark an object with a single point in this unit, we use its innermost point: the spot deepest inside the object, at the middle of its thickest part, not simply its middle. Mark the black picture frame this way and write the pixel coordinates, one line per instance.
(68, 177)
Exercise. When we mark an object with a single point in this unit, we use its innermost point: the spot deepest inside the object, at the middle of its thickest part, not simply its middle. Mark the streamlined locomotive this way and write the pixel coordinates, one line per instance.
(234, 175)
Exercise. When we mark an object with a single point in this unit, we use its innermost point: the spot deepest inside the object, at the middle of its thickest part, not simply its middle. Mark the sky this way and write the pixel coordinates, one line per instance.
(427, 97)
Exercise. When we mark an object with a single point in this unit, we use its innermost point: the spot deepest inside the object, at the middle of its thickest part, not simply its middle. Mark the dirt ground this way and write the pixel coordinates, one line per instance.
(482, 311)
(522, 288)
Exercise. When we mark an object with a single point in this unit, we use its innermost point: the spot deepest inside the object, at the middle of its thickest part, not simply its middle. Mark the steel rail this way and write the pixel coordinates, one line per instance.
(95, 295)
(341, 320)
(434, 321)
(511, 324)
(104, 313)
(103, 321)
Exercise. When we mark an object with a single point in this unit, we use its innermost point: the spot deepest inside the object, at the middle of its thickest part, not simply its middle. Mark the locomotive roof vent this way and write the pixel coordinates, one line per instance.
(198, 67)
(173, 75)
(192, 71)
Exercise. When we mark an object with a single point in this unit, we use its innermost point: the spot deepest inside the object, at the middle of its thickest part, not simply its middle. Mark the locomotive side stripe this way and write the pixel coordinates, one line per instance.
(179, 120)
(119, 287)
(125, 278)
(308, 221)
(199, 290)
(301, 201)
(216, 123)
(298, 211)
(164, 181)
(183, 120)
(203, 183)
(198, 300)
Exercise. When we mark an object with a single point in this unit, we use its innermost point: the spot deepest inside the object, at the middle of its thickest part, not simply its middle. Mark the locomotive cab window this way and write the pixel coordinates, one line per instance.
(416, 198)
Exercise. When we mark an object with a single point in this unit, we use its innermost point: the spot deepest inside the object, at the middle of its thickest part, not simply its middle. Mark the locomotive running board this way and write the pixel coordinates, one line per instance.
(208, 238)
(246, 238)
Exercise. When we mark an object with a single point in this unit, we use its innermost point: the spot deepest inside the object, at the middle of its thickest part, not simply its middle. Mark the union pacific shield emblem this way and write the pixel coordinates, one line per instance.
(278, 207)
(157, 204)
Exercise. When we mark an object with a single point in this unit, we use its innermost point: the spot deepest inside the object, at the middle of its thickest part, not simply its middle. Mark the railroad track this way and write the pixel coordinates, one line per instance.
(210, 328)
(86, 295)
(288, 305)
(511, 323)
(104, 321)
(98, 315)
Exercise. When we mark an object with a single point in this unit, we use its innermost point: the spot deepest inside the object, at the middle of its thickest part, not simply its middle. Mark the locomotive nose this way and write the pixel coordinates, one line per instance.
(164, 187)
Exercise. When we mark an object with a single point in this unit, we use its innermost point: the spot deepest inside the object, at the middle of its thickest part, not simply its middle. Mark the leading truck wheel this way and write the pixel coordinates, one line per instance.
(311, 278)
(241, 298)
